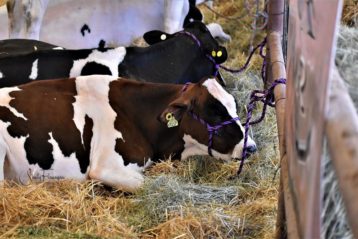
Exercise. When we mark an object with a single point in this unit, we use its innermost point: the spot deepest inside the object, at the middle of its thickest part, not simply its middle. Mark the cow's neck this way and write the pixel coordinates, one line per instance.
(141, 104)
(174, 61)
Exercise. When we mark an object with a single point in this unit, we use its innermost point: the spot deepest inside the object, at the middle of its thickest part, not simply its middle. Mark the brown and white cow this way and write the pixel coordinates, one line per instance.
(109, 129)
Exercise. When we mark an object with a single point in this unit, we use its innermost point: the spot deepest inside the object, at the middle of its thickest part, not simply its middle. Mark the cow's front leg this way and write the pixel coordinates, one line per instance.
(112, 172)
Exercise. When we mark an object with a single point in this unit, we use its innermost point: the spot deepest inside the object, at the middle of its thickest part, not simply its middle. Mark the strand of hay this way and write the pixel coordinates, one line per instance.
(3, 2)
(347, 58)
(350, 13)
(64, 205)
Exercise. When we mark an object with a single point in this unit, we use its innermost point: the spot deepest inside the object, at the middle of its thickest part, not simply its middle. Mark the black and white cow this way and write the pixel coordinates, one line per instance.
(176, 58)
(108, 129)
(84, 23)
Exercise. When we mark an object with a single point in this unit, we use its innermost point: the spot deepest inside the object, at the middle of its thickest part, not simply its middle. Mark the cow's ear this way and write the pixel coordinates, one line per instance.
(153, 37)
(172, 115)
(193, 15)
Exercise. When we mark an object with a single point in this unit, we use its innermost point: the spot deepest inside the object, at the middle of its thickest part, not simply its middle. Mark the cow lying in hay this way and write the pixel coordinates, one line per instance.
(177, 58)
(110, 129)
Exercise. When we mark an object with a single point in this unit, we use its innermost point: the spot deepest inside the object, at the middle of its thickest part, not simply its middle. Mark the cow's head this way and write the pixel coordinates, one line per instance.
(198, 29)
(207, 102)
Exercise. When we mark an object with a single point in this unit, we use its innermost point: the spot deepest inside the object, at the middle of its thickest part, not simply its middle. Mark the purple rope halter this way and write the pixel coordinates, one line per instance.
(265, 96)
(212, 129)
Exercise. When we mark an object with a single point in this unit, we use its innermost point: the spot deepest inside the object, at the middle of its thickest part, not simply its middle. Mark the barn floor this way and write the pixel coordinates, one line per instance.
(190, 199)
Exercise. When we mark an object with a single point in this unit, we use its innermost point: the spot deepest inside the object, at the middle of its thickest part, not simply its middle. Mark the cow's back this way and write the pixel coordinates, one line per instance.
(54, 64)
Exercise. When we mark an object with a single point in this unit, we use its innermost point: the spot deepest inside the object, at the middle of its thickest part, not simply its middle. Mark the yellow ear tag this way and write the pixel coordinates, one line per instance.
(220, 53)
(163, 37)
(213, 53)
(172, 122)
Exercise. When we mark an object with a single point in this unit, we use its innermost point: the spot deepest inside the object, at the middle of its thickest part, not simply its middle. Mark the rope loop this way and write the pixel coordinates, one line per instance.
(267, 98)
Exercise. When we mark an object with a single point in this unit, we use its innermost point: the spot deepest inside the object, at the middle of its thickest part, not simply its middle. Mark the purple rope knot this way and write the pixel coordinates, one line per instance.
(267, 98)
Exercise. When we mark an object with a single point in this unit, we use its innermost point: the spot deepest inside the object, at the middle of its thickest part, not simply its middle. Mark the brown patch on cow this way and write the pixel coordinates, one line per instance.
(47, 105)
(138, 105)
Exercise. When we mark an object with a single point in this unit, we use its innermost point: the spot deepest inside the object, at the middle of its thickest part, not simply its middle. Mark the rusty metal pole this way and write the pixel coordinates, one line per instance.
(286, 216)
(275, 10)
(276, 69)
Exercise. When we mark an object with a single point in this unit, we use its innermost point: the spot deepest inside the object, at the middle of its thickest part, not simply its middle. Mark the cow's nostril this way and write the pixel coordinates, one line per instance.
(251, 149)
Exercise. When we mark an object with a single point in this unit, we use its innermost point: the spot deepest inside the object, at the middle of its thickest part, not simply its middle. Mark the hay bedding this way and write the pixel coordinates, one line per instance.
(188, 199)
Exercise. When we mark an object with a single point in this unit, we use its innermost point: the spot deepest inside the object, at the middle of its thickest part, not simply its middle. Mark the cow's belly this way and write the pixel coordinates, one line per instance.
(118, 23)
(18, 168)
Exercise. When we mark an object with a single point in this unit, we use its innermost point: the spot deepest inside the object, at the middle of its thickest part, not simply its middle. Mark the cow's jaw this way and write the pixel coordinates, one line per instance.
(193, 147)
(237, 152)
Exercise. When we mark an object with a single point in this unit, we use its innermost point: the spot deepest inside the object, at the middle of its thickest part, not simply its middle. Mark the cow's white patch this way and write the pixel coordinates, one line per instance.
(57, 48)
(34, 70)
(64, 167)
(89, 96)
(17, 166)
(106, 164)
(193, 147)
(237, 152)
(35, 48)
(228, 101)
(110, 58)
(1, 75)
(5, 99)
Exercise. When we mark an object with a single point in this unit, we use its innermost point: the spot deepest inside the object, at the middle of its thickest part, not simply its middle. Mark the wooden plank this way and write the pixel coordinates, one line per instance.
(342, 134)
(311, 40)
